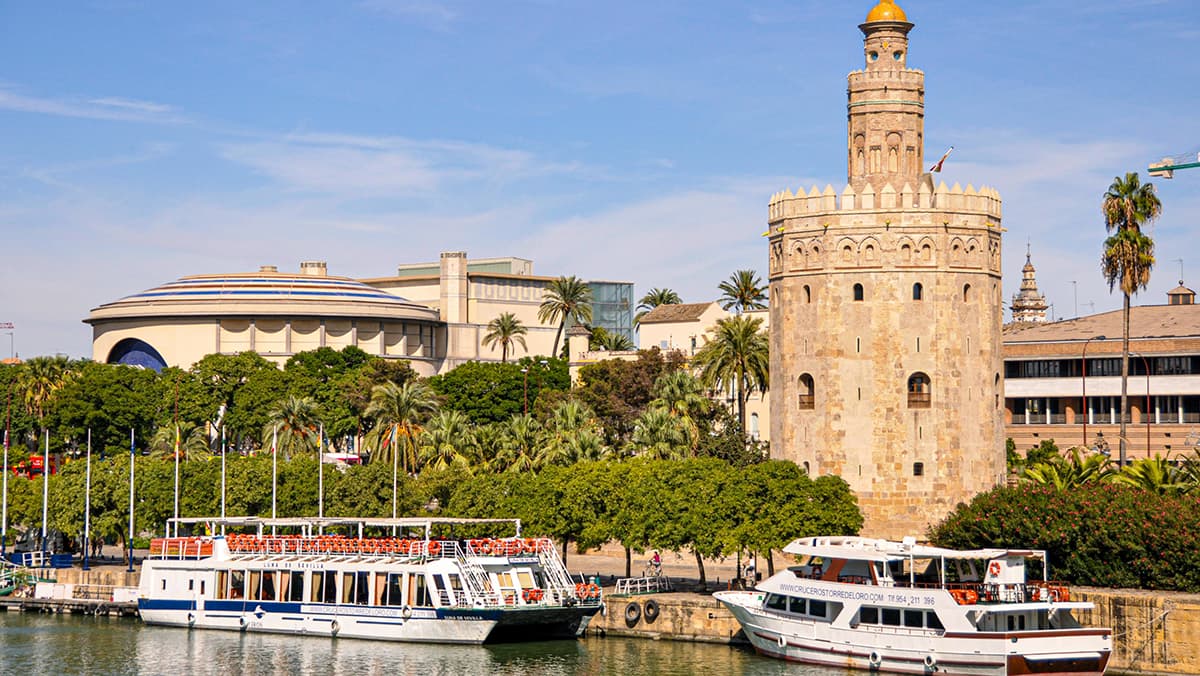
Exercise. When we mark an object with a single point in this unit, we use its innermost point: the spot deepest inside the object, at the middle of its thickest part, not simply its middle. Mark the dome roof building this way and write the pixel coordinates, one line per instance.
(275, 314)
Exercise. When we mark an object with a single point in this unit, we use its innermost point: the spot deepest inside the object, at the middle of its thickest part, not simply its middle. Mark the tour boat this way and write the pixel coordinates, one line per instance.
(426, 580)
(906, 608)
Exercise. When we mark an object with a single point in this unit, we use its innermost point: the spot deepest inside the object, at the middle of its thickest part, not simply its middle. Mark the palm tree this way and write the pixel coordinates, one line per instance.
(1073, 471)
(193, 443)
(398, 411)
(742, 291)
(40, 378)
(447, 441)
(521, 437)
(505, 330)
(603, 339)
(658, 434)
(653, 298)
(1157, 475)
(1128, 257)
(566, 298)
(736, 357)
(681, 394)
(293, 420)
(572, 435)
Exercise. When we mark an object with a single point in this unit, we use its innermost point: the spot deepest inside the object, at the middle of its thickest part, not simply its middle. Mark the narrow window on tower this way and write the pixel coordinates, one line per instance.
(807, 398)
(966, 293)
(918, 469)
(807, 294)
(918, 291)
(858, 292)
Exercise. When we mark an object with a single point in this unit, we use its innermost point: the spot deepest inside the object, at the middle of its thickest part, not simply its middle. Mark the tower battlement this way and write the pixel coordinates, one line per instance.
(908, 76)
(787, 205)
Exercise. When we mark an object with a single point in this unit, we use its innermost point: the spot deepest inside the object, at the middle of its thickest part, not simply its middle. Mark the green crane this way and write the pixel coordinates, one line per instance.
(1166, 168)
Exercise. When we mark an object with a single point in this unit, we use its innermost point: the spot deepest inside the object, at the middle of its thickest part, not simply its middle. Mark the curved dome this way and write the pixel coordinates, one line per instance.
(886, 10)
(265, 293)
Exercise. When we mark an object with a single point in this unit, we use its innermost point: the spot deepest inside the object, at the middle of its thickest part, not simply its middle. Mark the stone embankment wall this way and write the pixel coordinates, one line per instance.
(112, 576)
(1153, 632)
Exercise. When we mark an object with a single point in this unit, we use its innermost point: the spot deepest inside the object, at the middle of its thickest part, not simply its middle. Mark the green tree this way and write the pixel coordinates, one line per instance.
(1156, 475)
(572, 435)
(1128, 257)
(742, 291)
(293, 421)
(618, 391)
(520, 445)
(660, 435)
(505, 331)
(41, 378)
(565, 299)
(399, 411)
(681, 394)
(447, 441)
(653, 298)
(737, 358)
(1072, 471)
(603, 339)
(110, 400)
(193, 442)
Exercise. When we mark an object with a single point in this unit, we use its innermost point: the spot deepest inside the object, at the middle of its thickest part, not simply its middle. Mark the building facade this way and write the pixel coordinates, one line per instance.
(1063, 381)
(434, 315)
(886, 311)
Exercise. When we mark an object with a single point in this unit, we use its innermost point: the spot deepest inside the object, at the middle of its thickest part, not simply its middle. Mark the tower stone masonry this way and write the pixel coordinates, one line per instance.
(886, 309)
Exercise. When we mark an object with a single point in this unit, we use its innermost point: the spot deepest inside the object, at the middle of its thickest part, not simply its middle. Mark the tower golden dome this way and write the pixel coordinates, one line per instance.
(886, 10)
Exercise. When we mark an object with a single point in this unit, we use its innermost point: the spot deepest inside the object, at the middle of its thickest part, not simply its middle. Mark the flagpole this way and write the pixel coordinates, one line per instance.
(223, 450)
(4, 502)
(395, 465)
(130, 538)
(321, 472)
(45, 492)
(87, 506)
(176, 510)
(274, 471)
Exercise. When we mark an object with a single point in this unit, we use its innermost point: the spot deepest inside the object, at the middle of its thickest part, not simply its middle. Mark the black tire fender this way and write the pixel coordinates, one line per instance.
(650, 610)
(633, 613)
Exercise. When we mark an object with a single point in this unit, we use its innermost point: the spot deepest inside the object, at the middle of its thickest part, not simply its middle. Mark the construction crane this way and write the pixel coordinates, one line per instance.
(1166, 168)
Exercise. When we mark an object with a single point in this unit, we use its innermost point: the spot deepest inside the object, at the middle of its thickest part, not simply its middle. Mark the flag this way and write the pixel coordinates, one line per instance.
(177, 441)
(938, 167)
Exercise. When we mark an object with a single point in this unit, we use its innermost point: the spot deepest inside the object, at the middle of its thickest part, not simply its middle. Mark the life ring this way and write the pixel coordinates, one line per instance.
(930, 661)
(1053, 594)
(1064, 594)
(334, 627)
(971, 597)
(406, 613)
(874, 659)
(434, 548)
(633, 613)
(650, 610)
(781, 641)
(530, 546)
(593, 591)
(242, 622)
(191, 619)
(994, 568)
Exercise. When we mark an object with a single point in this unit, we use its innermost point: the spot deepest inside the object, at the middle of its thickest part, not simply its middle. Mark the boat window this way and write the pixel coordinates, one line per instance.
(202, 587)
(222, 580)
(268, 587)
(380, 589)
(191, 584)
(328, 587)
(816, 608)
(776, 602)
(868, 615)
(419, 591)
(891, 617)
(932, 621)
(456, 584)
(362, 588)
(525, 577)
(395, 590)
(798, 605)
(1012, 622)
(237, 584)
(254, 585)
(914, 618)
(1020, 622)
(347, 587)
(296, 586)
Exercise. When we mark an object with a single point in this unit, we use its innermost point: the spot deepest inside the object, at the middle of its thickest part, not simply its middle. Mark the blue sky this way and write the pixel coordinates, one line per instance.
(142, 141)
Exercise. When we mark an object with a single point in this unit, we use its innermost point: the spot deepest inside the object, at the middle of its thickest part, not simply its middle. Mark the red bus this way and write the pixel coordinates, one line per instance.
(35, 466)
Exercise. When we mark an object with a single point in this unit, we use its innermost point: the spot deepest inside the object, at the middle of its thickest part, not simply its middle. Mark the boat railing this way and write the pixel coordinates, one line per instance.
(181, 548)
(970, 593)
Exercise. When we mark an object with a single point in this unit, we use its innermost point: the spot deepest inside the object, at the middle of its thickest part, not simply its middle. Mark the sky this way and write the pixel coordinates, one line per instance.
(618, 140)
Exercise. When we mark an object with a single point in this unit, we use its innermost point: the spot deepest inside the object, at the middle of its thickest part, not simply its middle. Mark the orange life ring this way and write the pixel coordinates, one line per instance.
(994, 568)
(434, 548)
(515, 546)
(970, 597)
(593, 591)
(530, 546)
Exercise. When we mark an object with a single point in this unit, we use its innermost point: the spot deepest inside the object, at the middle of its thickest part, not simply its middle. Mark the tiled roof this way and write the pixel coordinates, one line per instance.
(1146, 321)
(680, 312)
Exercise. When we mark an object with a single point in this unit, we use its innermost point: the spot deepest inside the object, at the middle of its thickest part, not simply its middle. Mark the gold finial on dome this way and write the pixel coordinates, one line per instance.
(886, 10)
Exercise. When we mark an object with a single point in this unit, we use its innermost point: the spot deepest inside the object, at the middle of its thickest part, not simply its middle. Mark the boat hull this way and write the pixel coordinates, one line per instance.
(422, 625)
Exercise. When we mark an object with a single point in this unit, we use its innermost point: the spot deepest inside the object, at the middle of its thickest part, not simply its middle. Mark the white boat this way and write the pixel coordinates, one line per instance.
(435, 580)
(906, 608)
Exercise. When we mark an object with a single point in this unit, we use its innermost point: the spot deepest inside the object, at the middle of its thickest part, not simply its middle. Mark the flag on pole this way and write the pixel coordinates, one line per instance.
(938, 167)
(274, 471)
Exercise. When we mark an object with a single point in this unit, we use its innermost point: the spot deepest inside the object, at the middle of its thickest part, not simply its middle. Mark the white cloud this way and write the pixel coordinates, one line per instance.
(133, 104)
(106, 108)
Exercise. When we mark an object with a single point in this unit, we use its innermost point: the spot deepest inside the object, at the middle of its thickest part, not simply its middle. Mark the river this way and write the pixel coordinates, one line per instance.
(63, 645)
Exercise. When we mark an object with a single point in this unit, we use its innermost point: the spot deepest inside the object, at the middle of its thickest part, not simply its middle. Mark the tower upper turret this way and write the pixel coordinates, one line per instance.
(886, 107)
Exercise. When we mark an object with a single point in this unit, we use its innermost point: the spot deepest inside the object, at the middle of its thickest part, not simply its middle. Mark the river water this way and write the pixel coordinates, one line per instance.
(33, 644)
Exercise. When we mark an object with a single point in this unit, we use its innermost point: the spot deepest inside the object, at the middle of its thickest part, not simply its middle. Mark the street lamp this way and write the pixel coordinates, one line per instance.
(526, 388)
(1146, 366)
(1086, 412)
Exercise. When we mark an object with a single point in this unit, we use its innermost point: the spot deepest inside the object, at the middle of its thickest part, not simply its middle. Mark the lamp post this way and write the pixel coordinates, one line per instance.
(1146, 366)
(525, 372)
(1086, 412)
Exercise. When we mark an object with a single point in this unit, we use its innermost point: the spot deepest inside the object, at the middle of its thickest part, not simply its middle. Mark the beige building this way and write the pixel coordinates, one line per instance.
(886, 311)
(433, 314)
(1063, 380)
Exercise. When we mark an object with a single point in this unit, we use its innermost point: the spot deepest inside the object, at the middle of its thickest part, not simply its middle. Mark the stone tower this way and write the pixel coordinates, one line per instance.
(1029, 306)
(886, 310)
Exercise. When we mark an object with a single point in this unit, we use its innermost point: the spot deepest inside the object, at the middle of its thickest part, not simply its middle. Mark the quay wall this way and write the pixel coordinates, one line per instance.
(1153, 632)
(112, 576)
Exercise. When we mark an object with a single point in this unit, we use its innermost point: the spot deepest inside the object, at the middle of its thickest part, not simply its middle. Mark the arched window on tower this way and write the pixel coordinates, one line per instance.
(966, 293)
(918, 291)
(807, 294)
(919, 391)
(858, 292)
(807, 399)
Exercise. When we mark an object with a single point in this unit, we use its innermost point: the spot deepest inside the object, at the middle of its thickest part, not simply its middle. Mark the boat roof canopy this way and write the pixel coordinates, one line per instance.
(870, 549)
(426, 523)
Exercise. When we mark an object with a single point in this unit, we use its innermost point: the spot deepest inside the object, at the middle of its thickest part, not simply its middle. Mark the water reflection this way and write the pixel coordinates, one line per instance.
(69, 644)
